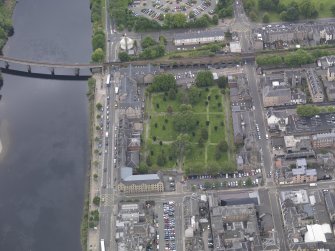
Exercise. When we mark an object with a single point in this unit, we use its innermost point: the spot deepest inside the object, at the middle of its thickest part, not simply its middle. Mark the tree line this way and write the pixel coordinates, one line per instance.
(98, 37)
(292, 59)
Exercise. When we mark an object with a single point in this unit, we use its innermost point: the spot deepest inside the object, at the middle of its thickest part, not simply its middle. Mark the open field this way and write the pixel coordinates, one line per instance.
(208, 117)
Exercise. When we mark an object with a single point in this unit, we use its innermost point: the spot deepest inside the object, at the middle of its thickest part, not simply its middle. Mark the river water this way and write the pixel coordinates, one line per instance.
(43, 172)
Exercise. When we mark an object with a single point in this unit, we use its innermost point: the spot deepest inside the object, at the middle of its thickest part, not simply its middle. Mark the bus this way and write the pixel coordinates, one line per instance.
(102, 243)
(108, 79)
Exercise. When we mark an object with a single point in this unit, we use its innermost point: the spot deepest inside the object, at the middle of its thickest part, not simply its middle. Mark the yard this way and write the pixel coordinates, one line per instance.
(205, 129)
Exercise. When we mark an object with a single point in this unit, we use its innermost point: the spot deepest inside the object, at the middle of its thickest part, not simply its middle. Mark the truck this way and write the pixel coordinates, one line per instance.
(108, 79)
(313, 184)
(106, 134)
(102, 244)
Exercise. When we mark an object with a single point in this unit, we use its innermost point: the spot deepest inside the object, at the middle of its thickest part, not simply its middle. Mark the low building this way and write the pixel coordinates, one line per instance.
(199, 37)
(331, 73)
(276, 96)
(143, 183)
(323, 140)
(237, 127)
(277, 120)
(235, 47)
(314, 86)
(301, 174)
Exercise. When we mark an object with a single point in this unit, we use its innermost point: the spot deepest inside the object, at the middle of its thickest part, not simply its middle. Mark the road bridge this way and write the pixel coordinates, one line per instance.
(30, 68)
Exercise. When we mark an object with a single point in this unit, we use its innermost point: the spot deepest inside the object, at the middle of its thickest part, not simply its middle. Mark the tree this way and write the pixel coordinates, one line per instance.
(184, 121)
(307, 110)
(148, 161)
(163, 83)
(333, 9)
(291, 14)
(194, 95)
(248, 182)
(143, 169)
(147, 42)
(204, 134)
(98, 41)
(98, 55)
(307, 9)
(222, 82)
(123, 56)
(204, 78)
(181, 146)
(177, 20)
(161, 159)
(253, 15)
(172, 94)
(95, 176)
(222, 146)
(266, 18)
(98, 106)
(298, 58)
(96, 200)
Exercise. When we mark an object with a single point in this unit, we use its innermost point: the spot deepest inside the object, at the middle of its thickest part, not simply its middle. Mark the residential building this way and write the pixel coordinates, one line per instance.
(298, 98)
(277, 120)
(323, 140)
(327, 34)
(331, 73)
(143, 183)
(325, 62)
(301, 174)
(314, 86)
(276, 96)
(235, 228)
(199, 37)
(298, 147)
(237, 127)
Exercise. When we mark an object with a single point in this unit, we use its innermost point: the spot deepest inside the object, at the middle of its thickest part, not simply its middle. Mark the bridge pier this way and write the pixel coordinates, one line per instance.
(29, 68)
(76, 71)
(52, 71)
(6, 65)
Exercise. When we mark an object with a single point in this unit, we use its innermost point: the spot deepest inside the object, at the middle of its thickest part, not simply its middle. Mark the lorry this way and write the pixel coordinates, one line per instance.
(313, 184)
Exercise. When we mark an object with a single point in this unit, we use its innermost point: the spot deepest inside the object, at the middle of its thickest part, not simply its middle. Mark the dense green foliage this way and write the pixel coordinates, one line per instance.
(289, 12)
(204, 78)
(312, 110)
(98, 38)
(224, 8)
(163, 83)
(295, 58)
(222, 82)
(184, 121)
(6, 27)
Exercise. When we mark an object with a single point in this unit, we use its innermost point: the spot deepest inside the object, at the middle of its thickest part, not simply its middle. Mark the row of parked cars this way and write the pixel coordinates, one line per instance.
(235, 175)
(197, 11)
(169, 225)
(151, 13)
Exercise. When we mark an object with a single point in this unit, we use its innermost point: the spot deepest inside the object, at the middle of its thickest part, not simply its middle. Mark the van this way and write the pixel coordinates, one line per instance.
(266, 136)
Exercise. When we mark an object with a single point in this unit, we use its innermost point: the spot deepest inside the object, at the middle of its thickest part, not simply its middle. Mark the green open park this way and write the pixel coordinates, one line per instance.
(187, 130)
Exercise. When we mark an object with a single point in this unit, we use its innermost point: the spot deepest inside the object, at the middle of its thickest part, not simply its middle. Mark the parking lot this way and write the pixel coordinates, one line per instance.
(169, 225)
(156, 9)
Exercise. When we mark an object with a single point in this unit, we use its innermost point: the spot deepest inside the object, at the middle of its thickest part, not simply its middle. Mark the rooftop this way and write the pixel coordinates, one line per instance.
(198, 34)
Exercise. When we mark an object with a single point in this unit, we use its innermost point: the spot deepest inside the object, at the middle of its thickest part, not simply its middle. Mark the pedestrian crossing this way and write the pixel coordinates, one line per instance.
(107, 199)
(240, 27)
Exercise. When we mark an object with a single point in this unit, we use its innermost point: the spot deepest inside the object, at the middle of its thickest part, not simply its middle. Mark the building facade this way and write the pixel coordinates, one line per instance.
(323, 140)
(314, 86)
(200, 37)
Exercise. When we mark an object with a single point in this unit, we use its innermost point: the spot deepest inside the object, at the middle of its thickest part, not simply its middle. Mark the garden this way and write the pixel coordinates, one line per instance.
(186, 129)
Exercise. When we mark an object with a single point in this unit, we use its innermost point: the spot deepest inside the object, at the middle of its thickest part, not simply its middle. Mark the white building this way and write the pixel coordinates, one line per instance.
(199, 37)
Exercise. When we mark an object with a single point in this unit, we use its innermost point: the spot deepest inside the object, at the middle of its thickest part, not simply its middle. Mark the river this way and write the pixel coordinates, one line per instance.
(45, 131)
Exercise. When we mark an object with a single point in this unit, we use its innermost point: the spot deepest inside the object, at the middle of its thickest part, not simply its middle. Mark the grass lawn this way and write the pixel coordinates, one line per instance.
(211, 156)
(216, 135)
(197, 158)
(157, 149)
(167, 134)
(159, 105)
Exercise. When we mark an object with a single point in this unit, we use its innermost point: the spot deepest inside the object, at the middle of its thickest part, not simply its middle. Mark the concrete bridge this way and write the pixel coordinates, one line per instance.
(84, 71)
(30, 68)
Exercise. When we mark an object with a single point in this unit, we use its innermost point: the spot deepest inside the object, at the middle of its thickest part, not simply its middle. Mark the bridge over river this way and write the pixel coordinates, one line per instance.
(80, 71)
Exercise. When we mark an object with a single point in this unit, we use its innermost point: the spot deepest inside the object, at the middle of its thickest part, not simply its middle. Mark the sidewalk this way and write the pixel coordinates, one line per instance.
(93, 242)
